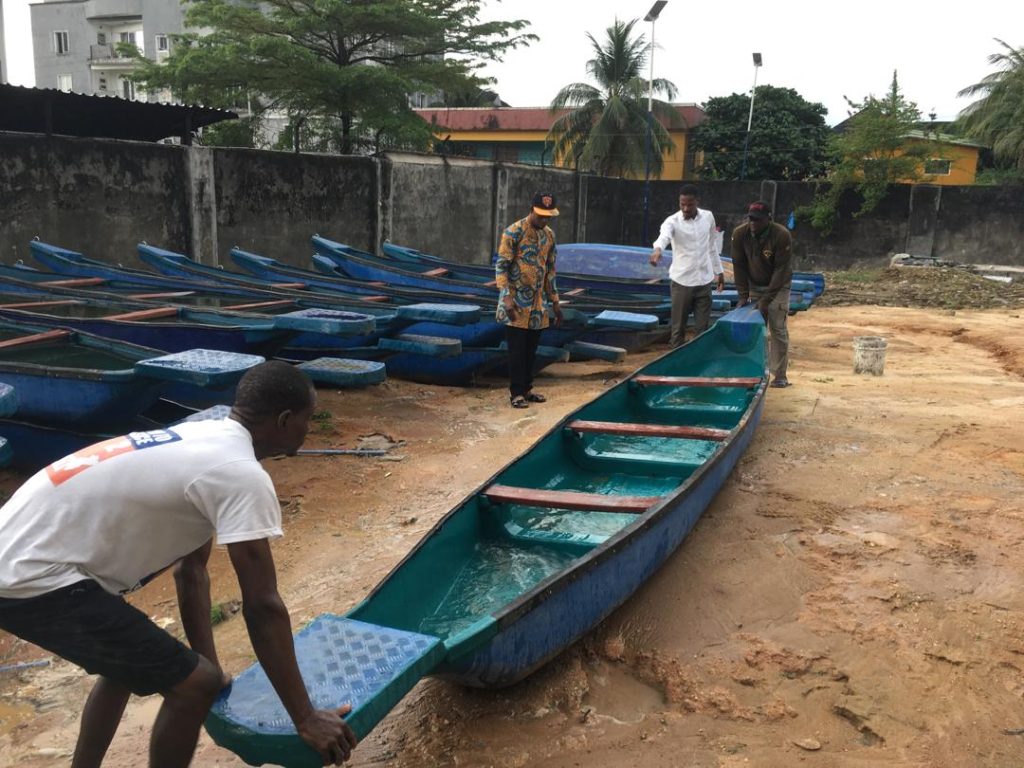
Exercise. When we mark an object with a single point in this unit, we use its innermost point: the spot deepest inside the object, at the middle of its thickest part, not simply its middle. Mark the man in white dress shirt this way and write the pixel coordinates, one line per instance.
(696, 265)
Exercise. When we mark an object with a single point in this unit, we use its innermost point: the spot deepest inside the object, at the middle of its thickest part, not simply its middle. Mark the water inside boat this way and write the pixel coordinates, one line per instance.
(63, 352)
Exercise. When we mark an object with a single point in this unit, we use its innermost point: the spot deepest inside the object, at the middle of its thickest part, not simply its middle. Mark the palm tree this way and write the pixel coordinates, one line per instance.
(606, 128)
(997, 118)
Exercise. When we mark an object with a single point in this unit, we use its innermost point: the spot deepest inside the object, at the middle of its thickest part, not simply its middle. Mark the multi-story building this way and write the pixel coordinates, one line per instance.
(3, 50)
(76, 42)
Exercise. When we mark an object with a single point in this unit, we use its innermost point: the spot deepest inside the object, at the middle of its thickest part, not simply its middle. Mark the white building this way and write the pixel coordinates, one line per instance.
(75, 42)
(3, 50)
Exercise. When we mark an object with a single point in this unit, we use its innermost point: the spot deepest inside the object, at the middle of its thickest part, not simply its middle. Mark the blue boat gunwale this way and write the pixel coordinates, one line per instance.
(467, 641)
(85, 339)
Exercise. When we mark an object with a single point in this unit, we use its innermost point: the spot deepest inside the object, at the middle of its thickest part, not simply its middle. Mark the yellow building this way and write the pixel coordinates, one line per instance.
(955, 161)
(517, 135)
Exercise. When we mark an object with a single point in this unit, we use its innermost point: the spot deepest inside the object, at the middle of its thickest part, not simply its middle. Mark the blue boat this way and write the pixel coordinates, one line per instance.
(629, 331)
(630, 261)
(337, 258)
(167, 328)
(71, 379)
(657, 285)
(536, 556)
(8, 405)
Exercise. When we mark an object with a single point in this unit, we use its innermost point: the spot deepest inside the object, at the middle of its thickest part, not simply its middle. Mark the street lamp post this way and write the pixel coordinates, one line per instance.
(750, 117)
(652, 16)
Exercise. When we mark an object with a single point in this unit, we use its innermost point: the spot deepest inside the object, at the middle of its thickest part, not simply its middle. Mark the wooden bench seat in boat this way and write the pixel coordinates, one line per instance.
(439, 272)
(35, 338)
(541, 497)
(648, 430)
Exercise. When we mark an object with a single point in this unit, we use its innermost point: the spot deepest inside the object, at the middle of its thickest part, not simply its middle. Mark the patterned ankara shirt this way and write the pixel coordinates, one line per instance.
(525, 270)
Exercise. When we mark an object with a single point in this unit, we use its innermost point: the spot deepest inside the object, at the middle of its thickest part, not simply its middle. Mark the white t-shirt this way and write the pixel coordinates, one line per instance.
(696, 247)
(123, 510)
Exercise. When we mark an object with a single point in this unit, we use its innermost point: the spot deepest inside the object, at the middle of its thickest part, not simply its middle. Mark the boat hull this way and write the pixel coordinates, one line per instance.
(559, 616)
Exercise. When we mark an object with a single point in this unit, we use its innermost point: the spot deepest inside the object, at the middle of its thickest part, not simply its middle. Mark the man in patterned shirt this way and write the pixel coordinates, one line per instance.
(525, 274)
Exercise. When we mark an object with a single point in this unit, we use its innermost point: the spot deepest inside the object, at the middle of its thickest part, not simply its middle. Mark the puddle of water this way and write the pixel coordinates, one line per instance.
(616, 694)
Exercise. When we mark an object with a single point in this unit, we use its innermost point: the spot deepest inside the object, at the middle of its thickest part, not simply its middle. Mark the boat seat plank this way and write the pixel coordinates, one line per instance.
(573, 292)
(439, 272)
(698, 381)
(77, 282)
(259, 305)
(40, 304)
(378, 299)
(540, 497)
(287, 286)
(648, 430)
(145, 314)
(161, 295)
(60, 333)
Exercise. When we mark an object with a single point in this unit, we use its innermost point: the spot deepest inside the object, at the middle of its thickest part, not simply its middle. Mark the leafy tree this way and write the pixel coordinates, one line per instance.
(345, 66)
(606, 127)
(997, 117)
(881, 145)
(788, 136)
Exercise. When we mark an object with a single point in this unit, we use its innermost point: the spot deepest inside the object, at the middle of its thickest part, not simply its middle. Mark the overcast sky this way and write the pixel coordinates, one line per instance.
(822, 50)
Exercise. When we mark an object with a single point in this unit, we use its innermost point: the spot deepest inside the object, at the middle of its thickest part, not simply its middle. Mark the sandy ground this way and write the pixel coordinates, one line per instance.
(852, 597)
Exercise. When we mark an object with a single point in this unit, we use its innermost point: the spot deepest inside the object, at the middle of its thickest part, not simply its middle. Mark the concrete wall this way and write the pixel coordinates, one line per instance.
(102, 197)
(99, 197)
(272, 203)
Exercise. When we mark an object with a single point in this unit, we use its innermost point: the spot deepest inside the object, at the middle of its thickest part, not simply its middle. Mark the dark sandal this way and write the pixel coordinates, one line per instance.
(519, 402)
(780, 383)
(533, 397)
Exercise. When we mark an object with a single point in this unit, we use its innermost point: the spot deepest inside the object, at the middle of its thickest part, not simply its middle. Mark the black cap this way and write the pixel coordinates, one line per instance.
(544, 204)
(758, 210)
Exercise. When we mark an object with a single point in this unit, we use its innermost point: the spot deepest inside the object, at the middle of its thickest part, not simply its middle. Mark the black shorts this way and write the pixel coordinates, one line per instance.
(102, 634)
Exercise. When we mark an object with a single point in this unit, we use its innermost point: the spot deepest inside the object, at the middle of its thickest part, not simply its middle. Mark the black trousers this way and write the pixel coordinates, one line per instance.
(522, 354)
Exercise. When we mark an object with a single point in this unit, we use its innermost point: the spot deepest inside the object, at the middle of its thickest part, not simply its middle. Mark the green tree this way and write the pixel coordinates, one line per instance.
(344, 66)
(996, 118)
(788, 136)
(606, 127)
(881, 144)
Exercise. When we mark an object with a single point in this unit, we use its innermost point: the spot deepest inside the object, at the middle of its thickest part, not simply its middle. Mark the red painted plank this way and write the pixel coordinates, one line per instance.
(164, 295)
(77, 282)
(145, 314)
(697, 381)
(649, 430)
(60, 333)
(40, 304)
(375, 298)
(260, 305)
(287, 285)
(597, 502)
(439, 272)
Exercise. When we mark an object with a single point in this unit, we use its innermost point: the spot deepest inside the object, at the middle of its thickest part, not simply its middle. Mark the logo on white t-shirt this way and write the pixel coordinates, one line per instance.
(63, 470)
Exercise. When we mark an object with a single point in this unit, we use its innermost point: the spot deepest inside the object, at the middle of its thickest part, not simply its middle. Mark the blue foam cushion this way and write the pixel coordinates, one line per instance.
(342, 372)
(343, 661)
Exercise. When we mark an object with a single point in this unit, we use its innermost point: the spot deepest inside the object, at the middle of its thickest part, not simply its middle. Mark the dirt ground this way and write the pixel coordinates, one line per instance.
(854, 596)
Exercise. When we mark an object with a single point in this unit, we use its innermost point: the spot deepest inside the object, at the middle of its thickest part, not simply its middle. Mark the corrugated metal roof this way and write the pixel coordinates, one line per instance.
(48, 110)
(519, 118)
